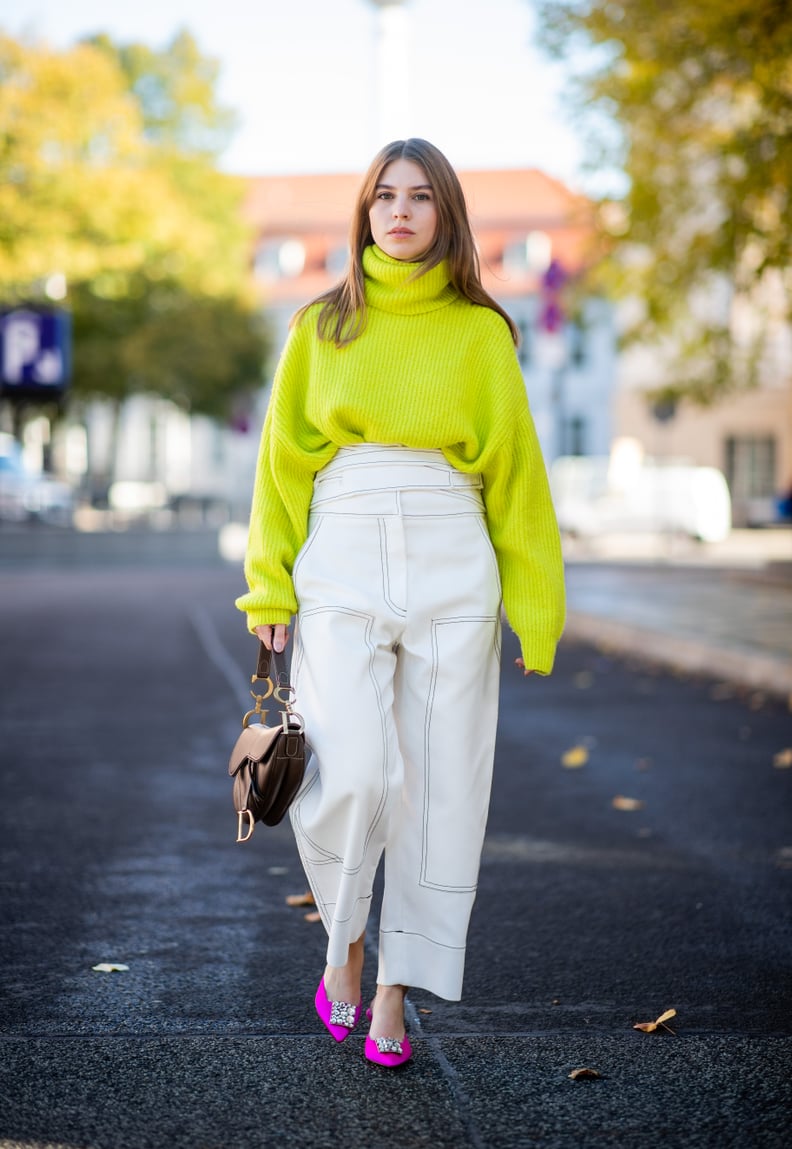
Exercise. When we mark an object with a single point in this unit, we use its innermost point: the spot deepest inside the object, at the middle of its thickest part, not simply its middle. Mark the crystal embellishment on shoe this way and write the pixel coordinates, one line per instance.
(388, 1051)
(338, 1017)
(344, 1013)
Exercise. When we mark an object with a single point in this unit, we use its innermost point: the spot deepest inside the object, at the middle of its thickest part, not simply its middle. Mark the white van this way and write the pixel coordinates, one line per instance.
(592, 497)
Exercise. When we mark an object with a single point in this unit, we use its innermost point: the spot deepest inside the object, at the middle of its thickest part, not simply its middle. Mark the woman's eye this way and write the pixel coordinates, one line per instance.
(422, 195)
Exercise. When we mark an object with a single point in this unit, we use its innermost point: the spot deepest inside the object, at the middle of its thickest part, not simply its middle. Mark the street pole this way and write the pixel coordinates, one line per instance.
(392, 63)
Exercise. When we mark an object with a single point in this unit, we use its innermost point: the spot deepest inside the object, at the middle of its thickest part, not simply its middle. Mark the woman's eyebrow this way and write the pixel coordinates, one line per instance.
(416, 187)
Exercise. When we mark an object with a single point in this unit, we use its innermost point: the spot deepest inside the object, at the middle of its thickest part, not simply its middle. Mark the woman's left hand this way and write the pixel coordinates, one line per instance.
(519, 663)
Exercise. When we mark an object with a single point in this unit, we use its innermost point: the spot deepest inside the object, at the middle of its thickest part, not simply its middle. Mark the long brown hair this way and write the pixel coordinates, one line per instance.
(343, 315)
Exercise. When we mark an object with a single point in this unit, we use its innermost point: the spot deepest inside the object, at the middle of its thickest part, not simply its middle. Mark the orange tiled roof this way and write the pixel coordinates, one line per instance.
(504, 207)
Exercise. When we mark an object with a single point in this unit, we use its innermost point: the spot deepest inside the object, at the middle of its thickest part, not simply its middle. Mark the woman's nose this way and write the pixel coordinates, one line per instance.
(401, 207)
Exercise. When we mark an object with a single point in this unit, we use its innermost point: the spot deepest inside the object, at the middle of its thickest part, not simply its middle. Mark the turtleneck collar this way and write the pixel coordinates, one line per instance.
(388, 289)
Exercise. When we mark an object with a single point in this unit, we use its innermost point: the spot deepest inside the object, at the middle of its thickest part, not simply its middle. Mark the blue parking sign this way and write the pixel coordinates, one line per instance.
(35, 351)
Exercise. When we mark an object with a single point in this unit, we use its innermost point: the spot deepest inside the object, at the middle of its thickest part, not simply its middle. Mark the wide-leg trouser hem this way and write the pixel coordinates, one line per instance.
(418, 962)
(340, 934)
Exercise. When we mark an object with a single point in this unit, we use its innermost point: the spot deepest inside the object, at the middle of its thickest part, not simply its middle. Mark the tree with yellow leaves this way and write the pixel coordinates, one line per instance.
(694, 102)
(108, 179)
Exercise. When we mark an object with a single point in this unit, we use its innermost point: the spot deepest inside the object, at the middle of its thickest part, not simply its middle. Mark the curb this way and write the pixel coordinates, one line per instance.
(743, 667)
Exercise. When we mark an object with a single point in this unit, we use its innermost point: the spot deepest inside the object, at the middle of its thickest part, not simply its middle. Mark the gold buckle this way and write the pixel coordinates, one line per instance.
(259, 698)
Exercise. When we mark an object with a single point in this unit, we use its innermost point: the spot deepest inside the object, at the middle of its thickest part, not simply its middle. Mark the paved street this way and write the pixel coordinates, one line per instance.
(736, 621)
(121, 688)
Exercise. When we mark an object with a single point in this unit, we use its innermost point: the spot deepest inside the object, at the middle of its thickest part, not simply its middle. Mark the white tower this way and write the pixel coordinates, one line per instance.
(393, 72)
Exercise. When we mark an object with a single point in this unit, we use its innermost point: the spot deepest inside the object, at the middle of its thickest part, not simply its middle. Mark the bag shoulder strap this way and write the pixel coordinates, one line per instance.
(264, 662)
(267, 659)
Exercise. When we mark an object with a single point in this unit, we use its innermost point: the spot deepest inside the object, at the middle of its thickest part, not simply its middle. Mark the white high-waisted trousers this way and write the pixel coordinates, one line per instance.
(396, 670)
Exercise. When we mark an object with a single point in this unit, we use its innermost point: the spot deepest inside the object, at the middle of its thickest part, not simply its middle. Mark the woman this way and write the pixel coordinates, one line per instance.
(400, 496)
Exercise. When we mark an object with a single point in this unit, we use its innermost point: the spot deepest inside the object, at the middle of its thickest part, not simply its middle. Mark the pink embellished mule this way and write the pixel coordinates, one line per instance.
(387, 1051)
(339, 1017)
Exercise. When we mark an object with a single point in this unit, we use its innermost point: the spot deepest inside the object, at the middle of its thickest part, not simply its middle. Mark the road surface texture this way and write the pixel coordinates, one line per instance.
(121, 689)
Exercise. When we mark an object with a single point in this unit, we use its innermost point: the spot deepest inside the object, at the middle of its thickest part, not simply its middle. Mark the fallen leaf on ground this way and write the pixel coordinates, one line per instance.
(574, 757)
(584, 1074)
(110, 967)
(306, 899)
(651, 1026)
(783, 759)
(622, 803)
(426, 1011)
(314, 916)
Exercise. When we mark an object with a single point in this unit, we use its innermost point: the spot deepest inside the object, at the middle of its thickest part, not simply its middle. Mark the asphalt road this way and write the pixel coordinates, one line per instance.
(121, 689)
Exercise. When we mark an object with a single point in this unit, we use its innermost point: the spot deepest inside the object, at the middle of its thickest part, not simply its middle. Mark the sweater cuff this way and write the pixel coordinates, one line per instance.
(265, 617)
(538, 655)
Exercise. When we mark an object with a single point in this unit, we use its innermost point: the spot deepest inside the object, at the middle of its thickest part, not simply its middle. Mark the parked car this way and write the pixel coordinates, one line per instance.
(25, 494)
(591, 498)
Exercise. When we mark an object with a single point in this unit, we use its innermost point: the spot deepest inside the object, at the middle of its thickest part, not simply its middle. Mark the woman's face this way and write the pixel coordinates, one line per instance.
(403, 216)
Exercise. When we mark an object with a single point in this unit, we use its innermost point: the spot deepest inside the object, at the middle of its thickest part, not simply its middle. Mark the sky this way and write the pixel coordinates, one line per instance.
(313, 92)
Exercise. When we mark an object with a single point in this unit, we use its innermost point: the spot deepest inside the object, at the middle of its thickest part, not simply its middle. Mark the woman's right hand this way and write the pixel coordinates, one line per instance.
(274, 637)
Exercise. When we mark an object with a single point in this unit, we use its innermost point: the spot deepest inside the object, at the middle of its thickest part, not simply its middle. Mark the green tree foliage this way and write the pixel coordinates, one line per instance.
(175, 91)
(202, 352)
(701, 96)
(107, 176)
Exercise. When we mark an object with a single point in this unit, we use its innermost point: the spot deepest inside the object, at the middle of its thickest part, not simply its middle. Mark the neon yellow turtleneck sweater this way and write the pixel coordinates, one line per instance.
(431, 370)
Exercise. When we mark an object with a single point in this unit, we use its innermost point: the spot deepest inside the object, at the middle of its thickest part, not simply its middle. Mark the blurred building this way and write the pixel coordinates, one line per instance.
(747, 436)
(534, 237)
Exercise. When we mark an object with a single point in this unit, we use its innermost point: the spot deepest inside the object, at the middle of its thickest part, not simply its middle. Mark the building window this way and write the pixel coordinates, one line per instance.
(751, 466)
(531, 254)
(219, 441)
(576, 435)
(279, 259)
(336, 260)
(577, 345)
(524, 350)
(153, 445)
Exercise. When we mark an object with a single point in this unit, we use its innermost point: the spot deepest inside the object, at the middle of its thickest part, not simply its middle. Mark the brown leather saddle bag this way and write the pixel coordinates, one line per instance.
(267, 763)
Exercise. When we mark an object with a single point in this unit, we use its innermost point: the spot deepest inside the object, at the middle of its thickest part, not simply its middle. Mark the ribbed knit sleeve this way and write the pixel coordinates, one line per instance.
(290, 453)
(520, 515)
(524, 533)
